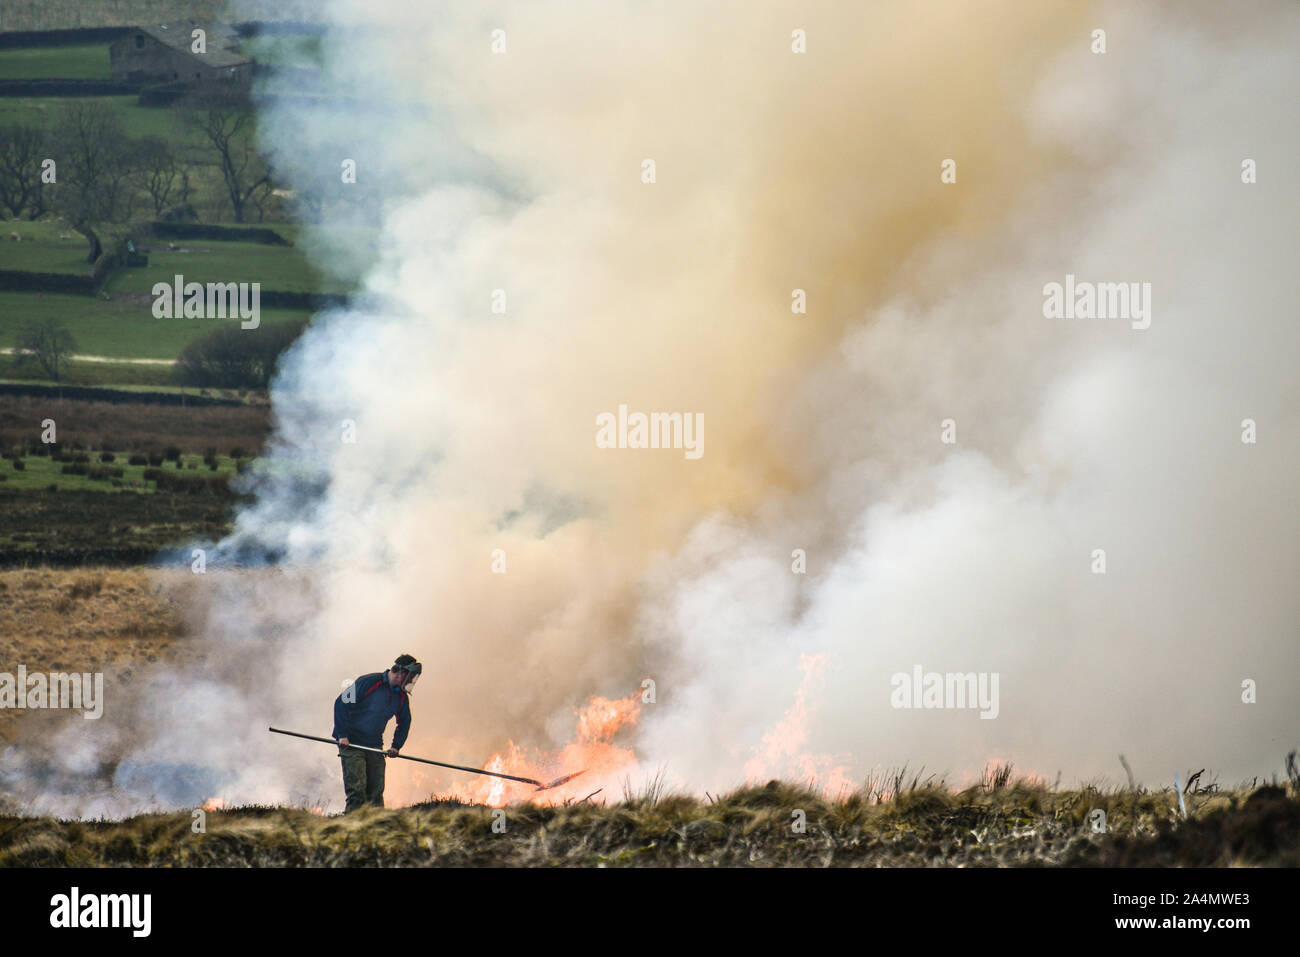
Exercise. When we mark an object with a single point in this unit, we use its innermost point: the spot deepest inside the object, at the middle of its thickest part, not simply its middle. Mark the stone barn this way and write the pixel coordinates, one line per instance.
(165, 54)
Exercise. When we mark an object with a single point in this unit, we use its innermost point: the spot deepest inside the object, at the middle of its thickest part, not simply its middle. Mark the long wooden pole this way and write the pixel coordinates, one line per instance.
(442, 764)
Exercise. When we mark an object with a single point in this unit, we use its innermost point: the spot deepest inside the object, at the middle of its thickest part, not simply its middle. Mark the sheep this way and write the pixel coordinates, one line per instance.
(15, 237)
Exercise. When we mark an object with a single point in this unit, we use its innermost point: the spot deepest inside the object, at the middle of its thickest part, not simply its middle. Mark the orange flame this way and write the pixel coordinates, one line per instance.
(782, 753)
(605, 764)
(214, 804)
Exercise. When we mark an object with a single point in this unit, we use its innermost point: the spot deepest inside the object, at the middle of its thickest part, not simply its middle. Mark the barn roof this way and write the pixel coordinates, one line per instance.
(222, 41)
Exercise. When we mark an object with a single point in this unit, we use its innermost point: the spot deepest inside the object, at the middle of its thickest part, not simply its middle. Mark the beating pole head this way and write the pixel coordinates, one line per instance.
(558, 781)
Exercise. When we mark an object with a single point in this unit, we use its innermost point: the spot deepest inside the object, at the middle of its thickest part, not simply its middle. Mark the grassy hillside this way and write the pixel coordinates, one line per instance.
(275, 267)
(121, 327)
(125, 376)
(43, 245)
(1017, 825)
(119, 322)
(81, 62)
(137, 120)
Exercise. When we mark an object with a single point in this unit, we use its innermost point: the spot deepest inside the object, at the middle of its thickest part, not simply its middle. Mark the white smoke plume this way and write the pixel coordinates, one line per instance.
(522, 171)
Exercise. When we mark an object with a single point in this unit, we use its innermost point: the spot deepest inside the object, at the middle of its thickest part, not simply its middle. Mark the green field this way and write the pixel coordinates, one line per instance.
(119, 322)
(40, 471)
(41, 249)
(138, 121)
(127, 376)
(122, 328)
(85, 62)
(284, 268)
(201, 260)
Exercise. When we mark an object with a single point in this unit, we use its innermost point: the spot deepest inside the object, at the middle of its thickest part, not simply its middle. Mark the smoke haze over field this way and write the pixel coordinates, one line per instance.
(775, 171)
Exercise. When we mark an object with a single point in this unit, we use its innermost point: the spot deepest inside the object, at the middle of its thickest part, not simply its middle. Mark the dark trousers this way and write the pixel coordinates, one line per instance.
(363, 778)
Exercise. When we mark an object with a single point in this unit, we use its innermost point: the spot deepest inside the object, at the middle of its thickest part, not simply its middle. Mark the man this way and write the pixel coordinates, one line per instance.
(361, 714)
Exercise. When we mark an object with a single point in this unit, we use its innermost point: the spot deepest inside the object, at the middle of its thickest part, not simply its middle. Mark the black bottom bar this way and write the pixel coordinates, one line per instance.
(588, 907)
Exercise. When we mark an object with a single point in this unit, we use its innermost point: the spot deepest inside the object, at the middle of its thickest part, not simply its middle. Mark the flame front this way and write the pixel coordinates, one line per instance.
(605, 765)
(783, 753)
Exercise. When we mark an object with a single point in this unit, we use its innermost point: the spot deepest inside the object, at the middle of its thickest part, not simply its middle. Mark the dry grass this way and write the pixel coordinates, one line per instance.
(87, 620)
(133, 426)
(1019, 824)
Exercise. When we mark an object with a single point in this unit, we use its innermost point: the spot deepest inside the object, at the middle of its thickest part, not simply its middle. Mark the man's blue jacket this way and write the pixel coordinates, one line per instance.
(361, 711)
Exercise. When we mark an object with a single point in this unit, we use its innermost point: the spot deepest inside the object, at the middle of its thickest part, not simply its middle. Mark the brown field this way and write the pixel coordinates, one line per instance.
(134, 427)
(82, 529)
(91, 619)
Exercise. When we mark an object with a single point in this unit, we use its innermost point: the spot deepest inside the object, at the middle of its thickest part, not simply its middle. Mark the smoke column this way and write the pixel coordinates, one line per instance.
(522, 171)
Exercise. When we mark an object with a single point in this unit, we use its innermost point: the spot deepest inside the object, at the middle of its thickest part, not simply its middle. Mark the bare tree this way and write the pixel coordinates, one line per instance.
(265, 196)
(229, 127)
(47, 342)
(159, 173)
(22, 148)
(95, 169)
